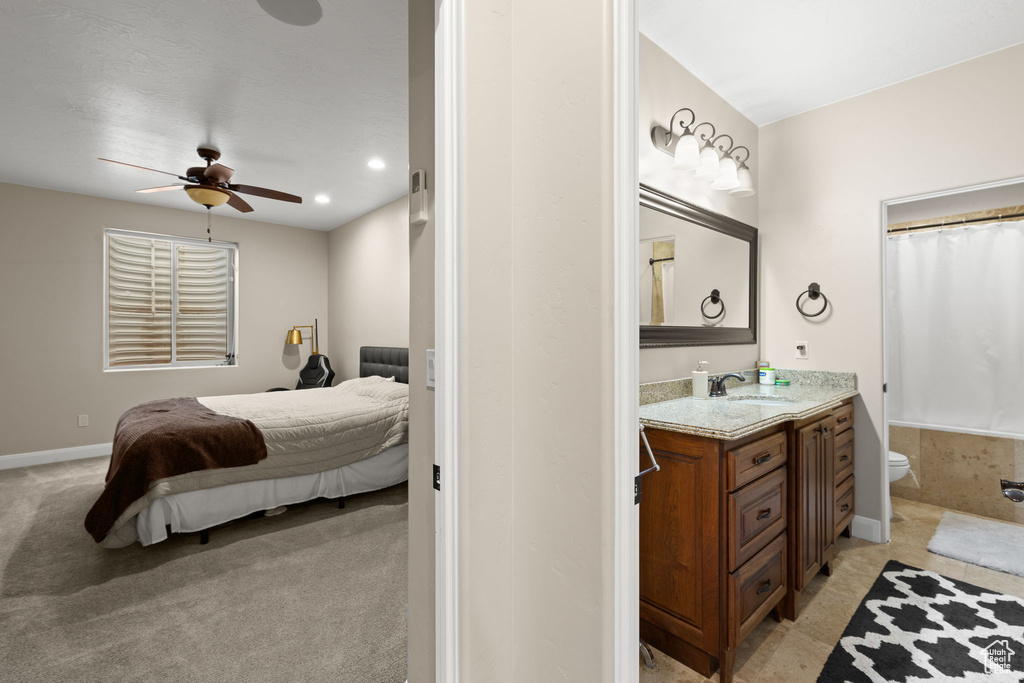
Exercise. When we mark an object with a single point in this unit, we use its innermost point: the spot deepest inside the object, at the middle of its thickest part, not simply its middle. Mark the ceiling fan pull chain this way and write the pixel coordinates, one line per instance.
(209, 237)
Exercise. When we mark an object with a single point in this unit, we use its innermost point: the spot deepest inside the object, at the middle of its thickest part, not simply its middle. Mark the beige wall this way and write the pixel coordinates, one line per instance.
(824, 175)
(536, 429)
(51, 303)
(368, 285)
(421, 338)
(666, 86)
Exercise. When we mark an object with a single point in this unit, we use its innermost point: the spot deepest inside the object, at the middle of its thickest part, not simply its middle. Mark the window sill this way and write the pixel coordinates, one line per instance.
(171, 367)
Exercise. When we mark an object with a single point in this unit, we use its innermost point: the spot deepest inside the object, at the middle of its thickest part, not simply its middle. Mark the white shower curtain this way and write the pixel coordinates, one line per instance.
(956, 329)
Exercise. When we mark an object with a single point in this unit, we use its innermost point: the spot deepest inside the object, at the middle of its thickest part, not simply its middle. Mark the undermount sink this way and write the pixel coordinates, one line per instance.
(759, 400)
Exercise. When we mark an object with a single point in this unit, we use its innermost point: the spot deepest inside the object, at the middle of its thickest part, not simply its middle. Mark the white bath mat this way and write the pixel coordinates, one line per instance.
(983, 542)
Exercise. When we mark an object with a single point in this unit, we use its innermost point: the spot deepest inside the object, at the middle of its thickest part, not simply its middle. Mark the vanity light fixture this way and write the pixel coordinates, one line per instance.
(724, 165)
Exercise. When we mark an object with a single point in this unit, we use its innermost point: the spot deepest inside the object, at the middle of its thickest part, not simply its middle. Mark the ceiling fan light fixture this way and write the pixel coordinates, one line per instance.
(294, 12)
(207, 196)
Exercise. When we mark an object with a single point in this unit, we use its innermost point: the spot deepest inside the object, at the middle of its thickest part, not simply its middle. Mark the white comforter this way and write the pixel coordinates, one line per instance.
(356, 414)
(308, 431)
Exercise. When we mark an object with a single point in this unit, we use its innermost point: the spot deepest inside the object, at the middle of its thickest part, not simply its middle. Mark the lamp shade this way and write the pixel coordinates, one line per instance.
(746, 183)
(293, 337)
(207, 196)
(708, 168)
(727, 178)
(687, 153)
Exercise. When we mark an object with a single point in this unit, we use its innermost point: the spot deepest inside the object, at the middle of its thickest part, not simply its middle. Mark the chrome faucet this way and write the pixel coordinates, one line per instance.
(717, 383)
(1014, 490)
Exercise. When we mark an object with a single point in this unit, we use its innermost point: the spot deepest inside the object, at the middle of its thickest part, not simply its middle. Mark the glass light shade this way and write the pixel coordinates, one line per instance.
(687, 153)
(708, 168)
(207, 196)
(294, 337)
(727, 178)
(746, 186)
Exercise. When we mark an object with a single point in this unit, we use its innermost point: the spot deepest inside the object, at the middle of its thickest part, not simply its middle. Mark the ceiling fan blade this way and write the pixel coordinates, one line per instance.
(142, 167)
(161, 189)
(219, 173)
(264, 192)
(236, 202)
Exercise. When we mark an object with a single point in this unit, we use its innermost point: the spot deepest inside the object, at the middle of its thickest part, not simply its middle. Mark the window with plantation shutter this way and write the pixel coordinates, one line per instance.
(170, 301)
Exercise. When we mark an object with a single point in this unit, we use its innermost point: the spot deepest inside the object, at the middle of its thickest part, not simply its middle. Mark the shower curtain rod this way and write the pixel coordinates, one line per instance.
(953, 224)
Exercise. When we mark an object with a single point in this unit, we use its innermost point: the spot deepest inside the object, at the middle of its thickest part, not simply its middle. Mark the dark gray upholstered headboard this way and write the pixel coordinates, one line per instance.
(386, 361)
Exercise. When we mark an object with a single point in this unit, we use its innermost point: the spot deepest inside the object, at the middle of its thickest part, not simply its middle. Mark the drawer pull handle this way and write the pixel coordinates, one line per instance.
(842, 420)
(762, 459)
(765, 587)
(844, 458)
(846, 506)
(764, 514)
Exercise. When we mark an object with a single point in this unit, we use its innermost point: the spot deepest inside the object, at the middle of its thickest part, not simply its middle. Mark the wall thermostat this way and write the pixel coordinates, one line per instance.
(418, 198)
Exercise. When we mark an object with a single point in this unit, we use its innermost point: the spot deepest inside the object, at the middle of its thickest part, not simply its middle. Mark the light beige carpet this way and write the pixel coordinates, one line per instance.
(314, 594)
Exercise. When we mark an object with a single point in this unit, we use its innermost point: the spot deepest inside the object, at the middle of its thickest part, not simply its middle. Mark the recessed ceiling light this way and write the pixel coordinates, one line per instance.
(322, 199)
(375, 163)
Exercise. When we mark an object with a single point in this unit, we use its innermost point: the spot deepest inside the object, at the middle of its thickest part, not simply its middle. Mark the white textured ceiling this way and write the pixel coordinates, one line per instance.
(775, 59)
(297, 109)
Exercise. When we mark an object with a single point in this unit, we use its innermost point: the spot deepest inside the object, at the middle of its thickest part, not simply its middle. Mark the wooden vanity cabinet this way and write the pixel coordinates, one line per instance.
(821, 500)
(732, 531)
(714, 551)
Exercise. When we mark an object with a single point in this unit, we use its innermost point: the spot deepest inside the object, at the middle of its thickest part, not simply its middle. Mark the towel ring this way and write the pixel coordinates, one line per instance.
(715, 298)
(813, 291)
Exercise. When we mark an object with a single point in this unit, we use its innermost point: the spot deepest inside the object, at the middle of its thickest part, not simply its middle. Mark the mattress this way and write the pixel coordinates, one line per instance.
(192, 511)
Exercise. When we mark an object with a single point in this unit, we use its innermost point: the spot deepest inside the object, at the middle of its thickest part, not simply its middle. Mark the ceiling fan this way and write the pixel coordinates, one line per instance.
(211, 185)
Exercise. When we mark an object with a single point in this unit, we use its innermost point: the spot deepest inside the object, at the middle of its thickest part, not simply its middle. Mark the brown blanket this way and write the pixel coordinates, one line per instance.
(163, 439)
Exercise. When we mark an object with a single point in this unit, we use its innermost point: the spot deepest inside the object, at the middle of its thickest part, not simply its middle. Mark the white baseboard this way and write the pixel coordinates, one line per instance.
(56, 455)
(866, 528)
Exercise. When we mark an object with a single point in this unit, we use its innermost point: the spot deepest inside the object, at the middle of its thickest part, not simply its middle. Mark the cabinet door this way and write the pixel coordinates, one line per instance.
(679, 531)
(828, 490)
(810, 476)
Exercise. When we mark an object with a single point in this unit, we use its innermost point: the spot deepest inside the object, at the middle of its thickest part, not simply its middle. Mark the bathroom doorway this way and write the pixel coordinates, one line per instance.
(953, 270)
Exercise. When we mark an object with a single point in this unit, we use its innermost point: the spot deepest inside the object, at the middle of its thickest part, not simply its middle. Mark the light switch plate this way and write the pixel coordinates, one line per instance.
(430, 368)
(83, 420)
(801, 350)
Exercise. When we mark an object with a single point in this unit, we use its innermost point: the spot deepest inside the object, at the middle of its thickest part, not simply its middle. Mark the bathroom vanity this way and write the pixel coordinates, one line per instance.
(752, 492)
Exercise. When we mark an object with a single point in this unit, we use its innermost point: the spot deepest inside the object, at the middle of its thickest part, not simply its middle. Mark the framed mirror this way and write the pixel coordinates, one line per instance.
(698, 274)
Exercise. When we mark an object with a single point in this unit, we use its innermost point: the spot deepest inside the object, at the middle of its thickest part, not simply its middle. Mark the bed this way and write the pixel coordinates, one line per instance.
(330, 443)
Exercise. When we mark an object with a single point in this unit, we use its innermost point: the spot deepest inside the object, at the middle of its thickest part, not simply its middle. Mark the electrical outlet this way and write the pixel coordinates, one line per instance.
(83, 420)
(801, 350)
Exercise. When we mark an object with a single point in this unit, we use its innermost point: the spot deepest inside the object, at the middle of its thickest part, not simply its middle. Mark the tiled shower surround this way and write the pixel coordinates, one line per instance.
(959, 471)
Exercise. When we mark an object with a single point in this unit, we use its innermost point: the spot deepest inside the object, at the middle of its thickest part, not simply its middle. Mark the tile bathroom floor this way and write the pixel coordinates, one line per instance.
(795, 651)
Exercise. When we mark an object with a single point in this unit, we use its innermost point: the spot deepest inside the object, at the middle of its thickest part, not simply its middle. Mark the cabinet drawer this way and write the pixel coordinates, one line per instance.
(843, 455)
(755, 588)
(748, 462)
(844, 418)
(757, 514)
(844, 504)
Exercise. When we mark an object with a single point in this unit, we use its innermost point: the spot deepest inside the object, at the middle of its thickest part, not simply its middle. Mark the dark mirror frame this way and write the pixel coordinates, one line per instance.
(671, 335)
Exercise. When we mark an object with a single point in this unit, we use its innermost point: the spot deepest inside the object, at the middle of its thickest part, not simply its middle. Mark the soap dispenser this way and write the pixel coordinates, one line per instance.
(700, 380)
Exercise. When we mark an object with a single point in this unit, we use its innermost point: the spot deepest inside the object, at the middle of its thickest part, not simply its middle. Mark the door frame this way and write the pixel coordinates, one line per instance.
(887, 504)
(449, 146)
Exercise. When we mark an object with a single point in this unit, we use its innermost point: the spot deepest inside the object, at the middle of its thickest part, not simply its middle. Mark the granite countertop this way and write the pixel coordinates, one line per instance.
(726, 418)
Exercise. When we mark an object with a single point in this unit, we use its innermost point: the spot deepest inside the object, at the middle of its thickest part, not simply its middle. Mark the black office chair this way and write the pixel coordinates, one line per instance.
(316, 375)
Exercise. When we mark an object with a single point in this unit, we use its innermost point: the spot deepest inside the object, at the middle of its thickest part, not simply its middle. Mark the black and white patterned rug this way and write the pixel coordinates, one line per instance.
(915, 625)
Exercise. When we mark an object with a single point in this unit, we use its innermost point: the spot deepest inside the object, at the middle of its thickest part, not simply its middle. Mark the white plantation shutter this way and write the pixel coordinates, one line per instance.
(201, 328)
(170, 301)
(139, 291)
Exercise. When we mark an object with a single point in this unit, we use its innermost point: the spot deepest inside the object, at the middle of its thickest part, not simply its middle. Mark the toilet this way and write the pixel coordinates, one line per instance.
(899, 466)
